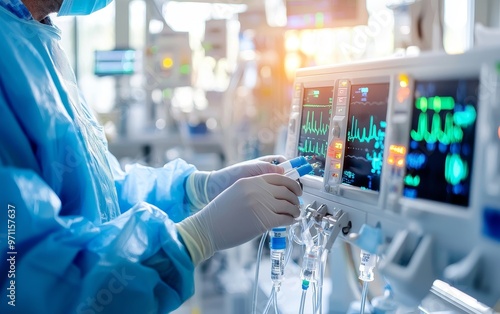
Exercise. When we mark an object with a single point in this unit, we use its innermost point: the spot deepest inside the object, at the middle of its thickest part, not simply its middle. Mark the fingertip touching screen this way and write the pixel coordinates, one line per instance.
(314, 126)
(441, 143)
(364, 147)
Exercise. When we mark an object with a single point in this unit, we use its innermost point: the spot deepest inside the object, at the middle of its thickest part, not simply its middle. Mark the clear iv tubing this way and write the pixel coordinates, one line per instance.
(271, 299)
(363, 296)
(256, 279)
(319, 299)
(315, 297)
(302, 301)
(276, 303)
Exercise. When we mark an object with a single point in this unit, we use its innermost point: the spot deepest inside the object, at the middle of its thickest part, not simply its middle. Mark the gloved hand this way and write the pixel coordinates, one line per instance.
(246, 209)
(203, 186)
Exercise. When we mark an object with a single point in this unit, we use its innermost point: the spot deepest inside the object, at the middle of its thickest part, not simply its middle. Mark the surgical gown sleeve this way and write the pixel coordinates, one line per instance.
(163, 187)
(132, 264)
(66, 246)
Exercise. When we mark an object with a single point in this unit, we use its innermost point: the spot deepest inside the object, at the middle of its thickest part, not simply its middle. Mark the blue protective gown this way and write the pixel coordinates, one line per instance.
(77, 234)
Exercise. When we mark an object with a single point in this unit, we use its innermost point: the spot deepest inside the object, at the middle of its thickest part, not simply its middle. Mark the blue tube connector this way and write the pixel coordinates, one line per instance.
(299, 172)
(293, 163)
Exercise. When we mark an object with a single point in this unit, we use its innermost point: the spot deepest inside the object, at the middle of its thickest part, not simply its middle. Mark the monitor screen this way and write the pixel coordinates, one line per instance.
(441, 146)
(364, 148)
(307, 14)
(314, 126)
(114, 62)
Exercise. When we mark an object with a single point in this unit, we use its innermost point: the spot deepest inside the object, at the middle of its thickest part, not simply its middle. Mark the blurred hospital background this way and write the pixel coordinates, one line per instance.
(212, 82)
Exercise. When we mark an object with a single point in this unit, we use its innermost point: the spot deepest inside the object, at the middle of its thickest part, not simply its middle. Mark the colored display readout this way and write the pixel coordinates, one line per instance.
(397, 154)
(366, 125)
(314, 127)
(441, 150)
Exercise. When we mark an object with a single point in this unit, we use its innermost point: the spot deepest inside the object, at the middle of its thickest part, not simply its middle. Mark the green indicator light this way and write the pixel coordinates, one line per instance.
(185, 69)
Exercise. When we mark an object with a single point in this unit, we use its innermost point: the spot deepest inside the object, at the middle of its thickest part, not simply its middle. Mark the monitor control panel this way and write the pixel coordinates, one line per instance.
(411, 145)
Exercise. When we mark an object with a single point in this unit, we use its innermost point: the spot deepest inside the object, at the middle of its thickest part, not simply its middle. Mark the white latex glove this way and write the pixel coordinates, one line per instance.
(243, 211)
(203, 186)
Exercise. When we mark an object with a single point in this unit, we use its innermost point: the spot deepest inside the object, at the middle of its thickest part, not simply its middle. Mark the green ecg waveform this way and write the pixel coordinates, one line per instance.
(451, 131)
(448, 134)
(311, 126)
(316, 149)
(316, 105)
(435, 103)
(373, 133)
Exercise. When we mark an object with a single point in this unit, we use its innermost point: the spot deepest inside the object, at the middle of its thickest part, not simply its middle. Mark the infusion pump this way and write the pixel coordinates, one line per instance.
(411, 145)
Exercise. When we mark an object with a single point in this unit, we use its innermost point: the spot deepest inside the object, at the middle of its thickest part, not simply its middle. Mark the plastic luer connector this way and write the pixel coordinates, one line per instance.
(299, 172)
(293, 163)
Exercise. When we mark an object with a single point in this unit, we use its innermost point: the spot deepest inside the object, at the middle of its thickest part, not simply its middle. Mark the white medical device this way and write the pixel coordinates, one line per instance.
(413, 145)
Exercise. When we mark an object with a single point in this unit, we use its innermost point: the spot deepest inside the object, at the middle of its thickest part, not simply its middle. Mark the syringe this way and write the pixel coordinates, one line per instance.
(293, 163)
(277, 242)
(294, 169)
(296, 173)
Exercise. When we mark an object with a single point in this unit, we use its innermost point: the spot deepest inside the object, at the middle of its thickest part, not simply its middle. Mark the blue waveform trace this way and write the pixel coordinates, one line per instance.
(410, 193)
(356, 157)
(376, 159)
(349, 174)
(415, 160)
(458, 189)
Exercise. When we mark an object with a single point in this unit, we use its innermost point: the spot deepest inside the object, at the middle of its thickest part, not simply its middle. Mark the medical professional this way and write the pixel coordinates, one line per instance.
(78, 234)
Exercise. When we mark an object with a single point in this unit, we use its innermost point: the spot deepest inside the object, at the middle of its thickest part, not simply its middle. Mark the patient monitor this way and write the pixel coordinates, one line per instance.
(411, 145)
